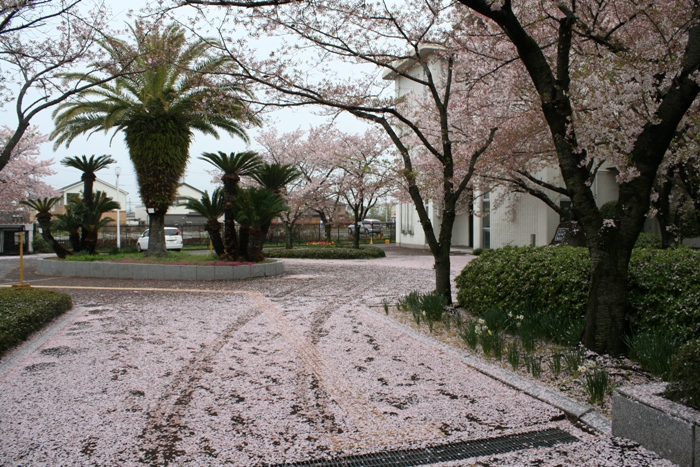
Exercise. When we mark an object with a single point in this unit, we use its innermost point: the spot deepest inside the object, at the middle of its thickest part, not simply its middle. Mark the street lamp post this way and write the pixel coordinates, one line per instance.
(118, 171)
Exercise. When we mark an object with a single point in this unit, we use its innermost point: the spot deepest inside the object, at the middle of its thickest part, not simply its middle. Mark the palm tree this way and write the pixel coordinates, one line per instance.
(88, 167)
(93, 220)
(172, 92)
(254, 208)
(43, 207)
(234, 166)
(211, 208)
(274, 177)
(71, 221)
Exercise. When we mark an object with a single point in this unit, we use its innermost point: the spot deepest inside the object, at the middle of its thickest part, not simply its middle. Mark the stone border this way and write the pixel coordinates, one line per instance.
(174, 272)
(658, 424)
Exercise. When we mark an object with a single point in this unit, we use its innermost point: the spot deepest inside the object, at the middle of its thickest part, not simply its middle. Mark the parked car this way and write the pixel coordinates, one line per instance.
(173, 240)
(369, 226)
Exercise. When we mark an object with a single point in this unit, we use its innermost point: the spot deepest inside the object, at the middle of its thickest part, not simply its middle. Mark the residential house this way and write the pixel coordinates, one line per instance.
(76, 189)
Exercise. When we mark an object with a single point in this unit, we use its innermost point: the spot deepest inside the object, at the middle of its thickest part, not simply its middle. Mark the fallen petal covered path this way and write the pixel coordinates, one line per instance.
(267, 371)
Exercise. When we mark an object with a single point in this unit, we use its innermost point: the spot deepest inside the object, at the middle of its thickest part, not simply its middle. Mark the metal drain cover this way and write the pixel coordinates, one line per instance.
(447, 452)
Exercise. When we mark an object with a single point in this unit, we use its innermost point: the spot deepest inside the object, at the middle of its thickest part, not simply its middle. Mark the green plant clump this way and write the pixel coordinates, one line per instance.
(39, 245)
(365, 252)
(429, 306)
(25, 310)
(654, 350)
(684, 377)
(597, 384)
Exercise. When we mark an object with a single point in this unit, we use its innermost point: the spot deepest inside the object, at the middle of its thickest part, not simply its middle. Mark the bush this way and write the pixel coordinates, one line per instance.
(25, 310)
(366, 252)
(664, 286)
(665, 291)
(648, 240)
(684, 385)
(551, 279)
(39, 245)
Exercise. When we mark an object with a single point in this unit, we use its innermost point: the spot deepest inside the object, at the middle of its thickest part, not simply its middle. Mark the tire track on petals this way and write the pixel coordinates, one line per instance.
(371, 427)
(167, 420)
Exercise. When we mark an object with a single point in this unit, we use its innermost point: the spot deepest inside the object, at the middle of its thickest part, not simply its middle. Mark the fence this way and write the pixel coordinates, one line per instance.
(194, 235)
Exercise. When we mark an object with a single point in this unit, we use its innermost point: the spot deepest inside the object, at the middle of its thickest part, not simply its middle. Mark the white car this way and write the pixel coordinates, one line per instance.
(173, 240)
(369, 226)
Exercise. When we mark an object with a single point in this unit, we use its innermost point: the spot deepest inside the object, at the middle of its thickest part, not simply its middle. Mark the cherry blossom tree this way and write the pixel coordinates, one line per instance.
(315, 189)
(39, 42)
(21, 179)
(395, 40)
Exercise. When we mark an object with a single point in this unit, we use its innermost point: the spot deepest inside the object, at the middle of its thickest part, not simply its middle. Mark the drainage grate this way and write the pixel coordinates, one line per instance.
(448, 452)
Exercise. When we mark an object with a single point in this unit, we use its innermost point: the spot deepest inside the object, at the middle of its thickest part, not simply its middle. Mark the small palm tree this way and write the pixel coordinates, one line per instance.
(43, 207)
(93, 220)
(172, 92)
(212, 208)
(234, 166)
(71, 222)
(88, 167)
(256, 207)
(274, 177)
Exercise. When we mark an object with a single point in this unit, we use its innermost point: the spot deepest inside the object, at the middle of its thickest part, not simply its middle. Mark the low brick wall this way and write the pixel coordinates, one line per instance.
(168, 272)
(669, 429)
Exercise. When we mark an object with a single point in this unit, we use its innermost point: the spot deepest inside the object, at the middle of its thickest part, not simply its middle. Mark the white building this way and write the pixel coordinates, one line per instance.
(522, 220)
(76, 189)
(178, 214)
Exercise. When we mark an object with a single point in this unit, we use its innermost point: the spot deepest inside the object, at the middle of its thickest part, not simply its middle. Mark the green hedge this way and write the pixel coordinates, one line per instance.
(25, 310)
(365, 252)
(664, 285)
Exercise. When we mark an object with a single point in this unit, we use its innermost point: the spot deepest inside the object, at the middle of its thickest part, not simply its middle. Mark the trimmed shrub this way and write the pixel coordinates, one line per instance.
(365, 252)
(664, 285)
(665, 291)
(648, 240)
(25, 310)
(551, 279)
(684, 378)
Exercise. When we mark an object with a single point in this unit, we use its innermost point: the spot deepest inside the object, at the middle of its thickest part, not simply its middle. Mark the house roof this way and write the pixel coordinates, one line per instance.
(80, 185)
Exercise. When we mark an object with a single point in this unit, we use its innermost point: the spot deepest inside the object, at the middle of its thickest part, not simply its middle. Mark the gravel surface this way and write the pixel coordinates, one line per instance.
(258, 372)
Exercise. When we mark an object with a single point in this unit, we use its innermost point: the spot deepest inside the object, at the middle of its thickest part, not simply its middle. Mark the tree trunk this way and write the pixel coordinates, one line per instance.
(156, 234)
(243, 239)
(288, 232)
(88, 183)
(89, 240)
(214, 230)
(255, 241)
(607, 301)
(74, 239)
(45, 225)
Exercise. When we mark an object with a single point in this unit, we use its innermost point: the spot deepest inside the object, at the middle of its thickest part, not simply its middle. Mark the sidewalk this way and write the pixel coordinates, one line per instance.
(262, 372)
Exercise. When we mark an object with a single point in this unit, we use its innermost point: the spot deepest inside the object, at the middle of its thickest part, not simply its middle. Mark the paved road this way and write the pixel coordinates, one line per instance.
(259, 372)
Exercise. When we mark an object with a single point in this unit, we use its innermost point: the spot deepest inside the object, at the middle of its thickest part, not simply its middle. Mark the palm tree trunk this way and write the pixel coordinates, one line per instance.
(214, 230)
(289, 232)
(255, 242)
(243, 240)
(156, 236)
(45, 225)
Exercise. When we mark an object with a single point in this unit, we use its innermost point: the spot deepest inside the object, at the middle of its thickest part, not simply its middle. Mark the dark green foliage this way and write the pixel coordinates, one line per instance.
(429, 306)
(25, 310)
(664, 288)
(654, 350)
(574, 359)
(608, 210)
(469, 334)
(39, 245)
(548, 279)
(665, 291)
(533, 363)
(514, 355)
(597, 383)
(555, 364)
(366, 252)
(684, 378)
(648, 240)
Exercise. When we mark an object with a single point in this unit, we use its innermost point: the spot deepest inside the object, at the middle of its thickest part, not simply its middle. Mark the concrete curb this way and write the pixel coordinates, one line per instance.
(175, 272)
(574, 409)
